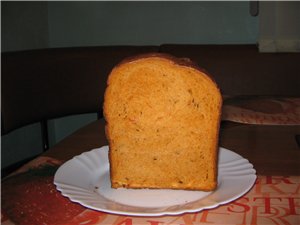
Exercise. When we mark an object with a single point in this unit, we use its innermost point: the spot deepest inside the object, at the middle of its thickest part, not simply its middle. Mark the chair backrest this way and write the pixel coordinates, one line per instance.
(243, 70)
(38, 85)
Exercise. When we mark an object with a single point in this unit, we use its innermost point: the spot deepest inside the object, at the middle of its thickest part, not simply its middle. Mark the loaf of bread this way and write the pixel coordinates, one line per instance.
(162, 124)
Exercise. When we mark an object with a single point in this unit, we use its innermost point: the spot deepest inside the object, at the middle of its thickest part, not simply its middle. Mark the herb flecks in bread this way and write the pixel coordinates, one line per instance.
(162, 117)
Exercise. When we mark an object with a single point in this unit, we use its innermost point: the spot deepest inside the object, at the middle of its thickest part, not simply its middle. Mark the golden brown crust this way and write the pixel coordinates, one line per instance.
(180, 61)
(173, 110)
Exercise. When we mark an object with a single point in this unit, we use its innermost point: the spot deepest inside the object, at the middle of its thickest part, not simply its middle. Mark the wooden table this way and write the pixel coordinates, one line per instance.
(273, 150)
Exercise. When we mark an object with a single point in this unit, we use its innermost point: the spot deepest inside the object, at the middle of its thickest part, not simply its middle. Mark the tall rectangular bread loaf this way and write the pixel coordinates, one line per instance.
(162, 123)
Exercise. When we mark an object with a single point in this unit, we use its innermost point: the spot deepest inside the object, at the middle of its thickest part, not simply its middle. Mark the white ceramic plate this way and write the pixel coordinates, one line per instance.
(85, 179)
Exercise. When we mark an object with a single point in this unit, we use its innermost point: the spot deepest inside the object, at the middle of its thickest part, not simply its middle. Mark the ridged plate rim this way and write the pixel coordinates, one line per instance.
(78, 179)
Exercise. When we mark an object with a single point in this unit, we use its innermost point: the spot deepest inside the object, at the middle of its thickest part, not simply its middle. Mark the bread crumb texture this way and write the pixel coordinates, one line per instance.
(162, 125)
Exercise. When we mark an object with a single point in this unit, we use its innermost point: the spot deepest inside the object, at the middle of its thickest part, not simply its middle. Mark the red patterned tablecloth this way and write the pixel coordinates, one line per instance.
(30, 197)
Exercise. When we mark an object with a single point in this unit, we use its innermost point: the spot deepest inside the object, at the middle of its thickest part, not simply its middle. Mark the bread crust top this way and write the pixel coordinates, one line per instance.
(183, 61)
